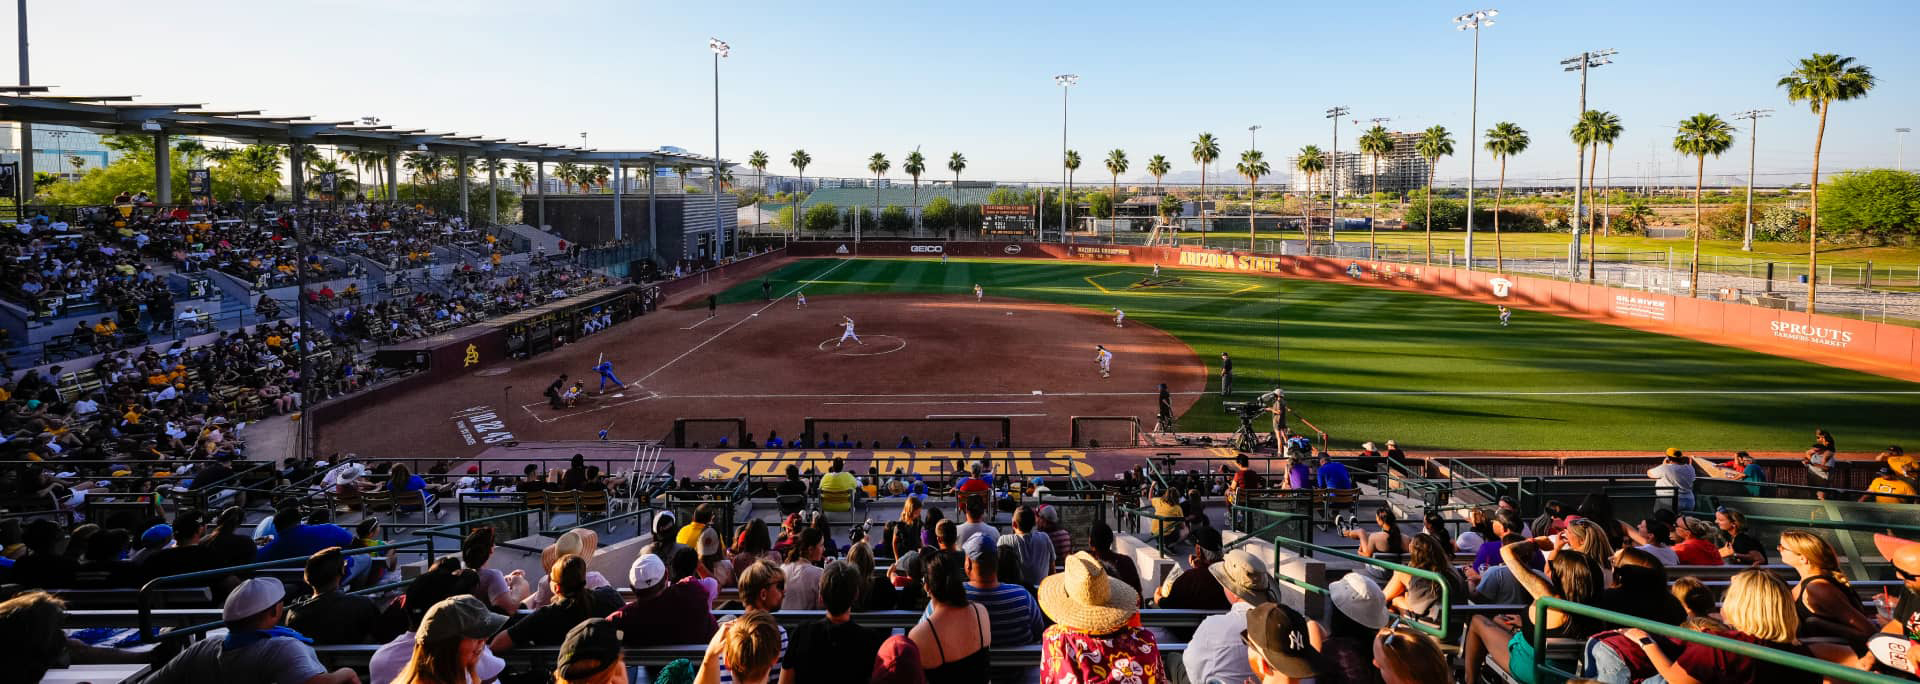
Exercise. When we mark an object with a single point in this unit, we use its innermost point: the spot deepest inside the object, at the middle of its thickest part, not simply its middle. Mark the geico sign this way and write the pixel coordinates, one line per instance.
(1832, 337)
(930, 249)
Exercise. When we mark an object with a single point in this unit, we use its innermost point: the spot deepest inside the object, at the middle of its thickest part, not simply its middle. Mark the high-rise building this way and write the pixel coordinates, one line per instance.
(64, 150)
(1401, 171)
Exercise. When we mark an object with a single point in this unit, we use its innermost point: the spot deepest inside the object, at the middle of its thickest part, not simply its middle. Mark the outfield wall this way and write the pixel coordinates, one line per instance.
(1888, 349)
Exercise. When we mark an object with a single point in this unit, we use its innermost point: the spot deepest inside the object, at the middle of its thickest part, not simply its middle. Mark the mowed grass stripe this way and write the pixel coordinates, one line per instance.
(1334, 337)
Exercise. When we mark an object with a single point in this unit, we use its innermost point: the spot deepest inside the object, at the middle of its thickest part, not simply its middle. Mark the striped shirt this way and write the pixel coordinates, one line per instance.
(726, 674)
(1012, 614)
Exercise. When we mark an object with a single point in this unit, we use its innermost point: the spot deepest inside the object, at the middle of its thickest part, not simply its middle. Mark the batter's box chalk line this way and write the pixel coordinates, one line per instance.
(578, 411)
(863, 350)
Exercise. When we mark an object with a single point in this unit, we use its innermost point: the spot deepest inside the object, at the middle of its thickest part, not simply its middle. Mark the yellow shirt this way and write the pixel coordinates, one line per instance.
(1901, 464)
(1891, 485)
(690, 534)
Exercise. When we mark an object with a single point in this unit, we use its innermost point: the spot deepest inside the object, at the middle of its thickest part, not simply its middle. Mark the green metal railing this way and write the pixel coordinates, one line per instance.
(143, 601)
(600, 521)
(1160, 539)
(464, 526)
(1538, 637)
(1439, 628)
(1854, 553)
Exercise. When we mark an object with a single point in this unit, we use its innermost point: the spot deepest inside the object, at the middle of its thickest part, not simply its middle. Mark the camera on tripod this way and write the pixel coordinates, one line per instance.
(1249, 409)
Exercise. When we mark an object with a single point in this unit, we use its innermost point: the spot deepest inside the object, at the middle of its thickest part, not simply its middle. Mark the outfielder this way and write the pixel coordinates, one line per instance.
(1104, 358)
(1505, 315)
(1156, 269)
(979, 293)
(605, 369)
(1119, 317)
(848, 334)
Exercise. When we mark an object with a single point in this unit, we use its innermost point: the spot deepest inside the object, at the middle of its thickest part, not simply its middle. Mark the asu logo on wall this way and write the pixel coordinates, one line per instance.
(472, 357)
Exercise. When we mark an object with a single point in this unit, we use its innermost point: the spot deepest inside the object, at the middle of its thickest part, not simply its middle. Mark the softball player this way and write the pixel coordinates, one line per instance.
(848, 334)
(1119, 317)
(979, 293)
(1505, 315)
(1104, 358)
(800, 301)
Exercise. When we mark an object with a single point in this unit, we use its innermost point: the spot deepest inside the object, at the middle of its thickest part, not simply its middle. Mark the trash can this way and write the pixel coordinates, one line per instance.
(1803, 279)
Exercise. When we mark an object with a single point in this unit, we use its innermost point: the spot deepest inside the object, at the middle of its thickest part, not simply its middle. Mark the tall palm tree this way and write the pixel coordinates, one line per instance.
(1205, 149)
(1253, 165)
(191, 149)
(1606, 129)
(522, 175)
(1311, 161)
(1158, 167)
(681, 170)
(1073, 164)
(1434, 143)
(1586, 134)
(1375, 143)
(1116, 165)
(373, 159)
(603, 177)
(915, 165)
(758, 160)
(1820, 80)
(799, 159)
(221, 155)
(1610, 130)
(878, 164)
(956, 163)
(1504, 140)
(1701, 135)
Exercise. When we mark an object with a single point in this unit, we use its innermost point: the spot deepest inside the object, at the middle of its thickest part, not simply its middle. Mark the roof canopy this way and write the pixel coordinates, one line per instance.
(120, 114)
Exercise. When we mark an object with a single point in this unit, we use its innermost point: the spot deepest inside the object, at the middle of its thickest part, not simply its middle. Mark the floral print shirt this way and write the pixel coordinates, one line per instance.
(1128, 656)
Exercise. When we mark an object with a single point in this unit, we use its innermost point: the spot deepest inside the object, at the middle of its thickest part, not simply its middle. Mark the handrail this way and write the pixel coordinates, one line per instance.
(1283, 517)
(1445, 602)
(1538, 637)
(143, 600)
(596, 521)
(1159, 540)
(441, 530)
(210, 626)
(1848, 495)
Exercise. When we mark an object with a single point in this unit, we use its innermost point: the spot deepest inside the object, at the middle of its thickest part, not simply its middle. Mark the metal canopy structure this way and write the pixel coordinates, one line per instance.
(120, 114)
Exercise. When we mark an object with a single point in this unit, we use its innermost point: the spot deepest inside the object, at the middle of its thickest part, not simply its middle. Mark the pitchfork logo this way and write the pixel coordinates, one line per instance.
(1500, 286)
(1353, 270)
(1011, 249)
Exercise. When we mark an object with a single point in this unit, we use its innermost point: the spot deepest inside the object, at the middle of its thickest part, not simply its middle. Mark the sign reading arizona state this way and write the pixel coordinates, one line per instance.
(1235, 262)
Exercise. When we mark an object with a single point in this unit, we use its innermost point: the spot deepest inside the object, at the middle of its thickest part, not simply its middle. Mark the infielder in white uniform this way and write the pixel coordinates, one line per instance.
(848, 334)
(801, 300)
(1104, 358)
(979, 293)
(1118, 318)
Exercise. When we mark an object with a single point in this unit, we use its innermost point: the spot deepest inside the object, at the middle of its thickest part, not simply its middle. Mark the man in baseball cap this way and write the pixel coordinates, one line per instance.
(592, 648)
(256, 649)
(1278, 646)
(1216, 652)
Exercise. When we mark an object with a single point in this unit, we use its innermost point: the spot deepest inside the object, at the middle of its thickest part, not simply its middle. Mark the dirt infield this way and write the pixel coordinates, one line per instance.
(775, 365)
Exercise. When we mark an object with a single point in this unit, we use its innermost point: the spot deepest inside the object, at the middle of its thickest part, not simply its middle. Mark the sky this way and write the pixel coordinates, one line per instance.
(843, 80)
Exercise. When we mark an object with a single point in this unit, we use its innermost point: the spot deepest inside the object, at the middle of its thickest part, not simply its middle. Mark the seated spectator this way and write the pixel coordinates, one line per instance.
(1333, 474)
(753, 644)
(702, 519)
(188, 554)
(1824, 601)
(256, 649)
(1420, 597)
(684, 568)
(955, 636)
(1741, 546)
(1013, 616)
(1092, 639)
(836, 487)
(663, 612)
(1407, 656)
(1100, 545)
(1759, 609)
(1699, 601)
(576, 542)
(1216, 652)
(329, 615)
(1389, 539)
(907, 576)
(591, 654)
(573, 604)
(835, 648)
(1033, 548)
(802, 575)
(1497, 585)
(761, 587)
(878, 593)
(293, 538)
(1639, 588)
(1195, 588)
(1572, 576)
(898, 662)
(754, 544)
(1049, 520)
(451, 642)
(1691, 545)
(400, 480)
(1651, 536)
(714, 563)
(104, 566)
(1280, 645)
(475, 550)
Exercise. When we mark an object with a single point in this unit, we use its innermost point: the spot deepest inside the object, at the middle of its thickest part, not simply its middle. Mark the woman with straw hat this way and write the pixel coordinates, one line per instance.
(1093, 640)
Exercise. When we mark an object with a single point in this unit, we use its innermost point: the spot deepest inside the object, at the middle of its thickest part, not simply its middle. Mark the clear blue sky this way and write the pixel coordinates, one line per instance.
(844, 80)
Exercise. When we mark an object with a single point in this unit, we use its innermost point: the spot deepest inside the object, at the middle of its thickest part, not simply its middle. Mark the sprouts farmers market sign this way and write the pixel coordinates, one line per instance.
(1812, 334)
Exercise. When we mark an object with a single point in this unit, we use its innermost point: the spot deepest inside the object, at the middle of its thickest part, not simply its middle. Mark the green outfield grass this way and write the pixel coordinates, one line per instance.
(1436, 373)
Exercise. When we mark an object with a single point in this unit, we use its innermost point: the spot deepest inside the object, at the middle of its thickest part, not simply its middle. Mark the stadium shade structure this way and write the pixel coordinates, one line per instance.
(120, 114)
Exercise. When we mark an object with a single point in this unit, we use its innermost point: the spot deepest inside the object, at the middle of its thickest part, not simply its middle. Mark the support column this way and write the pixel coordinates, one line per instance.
(653, 214)
(465, 213)
(493, 194)
(162, 169)
(26, 162)
(393, 173)
(540, 186)
(618, 174)
(296, 160)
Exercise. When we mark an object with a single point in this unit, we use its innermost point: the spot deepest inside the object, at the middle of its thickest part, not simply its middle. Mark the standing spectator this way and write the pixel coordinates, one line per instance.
(1819, 458)
(954, 637)
(1091, 640)
(331, 616)
(803, 577)
(1673, 477)
(1743, 468)
(1888, 487)
(573, 604)
(834, 649)
(256, 649)
(664, 612)
(1280, 645)
(1193, 589)
(975, 509)
(451, 640)
(752, 643)
(1216, 652)
(1825, 602)
(1034, 548)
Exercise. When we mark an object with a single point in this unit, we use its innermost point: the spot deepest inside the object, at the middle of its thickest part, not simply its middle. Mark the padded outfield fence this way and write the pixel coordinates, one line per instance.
(992, 431)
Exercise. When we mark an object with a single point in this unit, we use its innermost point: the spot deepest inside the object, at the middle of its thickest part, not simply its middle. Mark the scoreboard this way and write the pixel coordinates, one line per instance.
(1006, 220)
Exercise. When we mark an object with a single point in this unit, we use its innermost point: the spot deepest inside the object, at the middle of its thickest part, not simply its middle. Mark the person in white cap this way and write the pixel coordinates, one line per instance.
(1360, 610)
(1215, 652)
(256, 648)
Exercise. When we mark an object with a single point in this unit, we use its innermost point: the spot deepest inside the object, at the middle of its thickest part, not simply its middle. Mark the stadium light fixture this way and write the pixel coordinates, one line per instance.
(369, 121)
(718, 46)
(1066, 82)
(720, 50)
(1476, 20)
(1333, 185)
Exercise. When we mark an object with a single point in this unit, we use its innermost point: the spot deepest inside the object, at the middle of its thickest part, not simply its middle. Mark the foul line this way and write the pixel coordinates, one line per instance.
(932, 416)
(769, 305)
(1291, 393)
(919, 403)
(696, 325)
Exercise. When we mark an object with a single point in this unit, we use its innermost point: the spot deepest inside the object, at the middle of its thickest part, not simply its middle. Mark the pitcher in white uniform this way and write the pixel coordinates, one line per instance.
(848, 334)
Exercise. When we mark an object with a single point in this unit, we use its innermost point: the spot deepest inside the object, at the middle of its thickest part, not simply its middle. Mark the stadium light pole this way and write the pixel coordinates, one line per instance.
(1581, 63)
(1474, 20)
(1900, 157)
(719, 48)
(1753, 133)
(1066, 82)
(1333, 183)
(25, 195)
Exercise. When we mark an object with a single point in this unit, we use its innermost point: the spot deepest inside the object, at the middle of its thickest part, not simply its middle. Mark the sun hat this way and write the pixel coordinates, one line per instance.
(460, 617)
(1278, 635)
(646, 572)
(1084, 598)
(252, 597)
(597, 640)
(1360, 600)
(1367, 446)
(1245, 575)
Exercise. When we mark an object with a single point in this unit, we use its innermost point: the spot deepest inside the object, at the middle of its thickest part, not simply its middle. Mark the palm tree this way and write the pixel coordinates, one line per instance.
(1701, 135)
(1205, 150)
(260, 158)
(1637, 213)
(1116, 165)
(423, 164)
(522, 175)
(1504, 140)
(1610, 130)
(1375, 143)
(916, 165)
(1434, 143)
(799, 159)
(956, 163)
(191, 149)
(373, 159)
(1253, 165)
(681, 170)
(1606, 129)
(1819, 81)
(603, 176)
(221, 155)
(1157, 167)
(1073, 164)
(1585, 133)
(79, 163)
(758, 160)
(878, 164)
(1311, 161)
